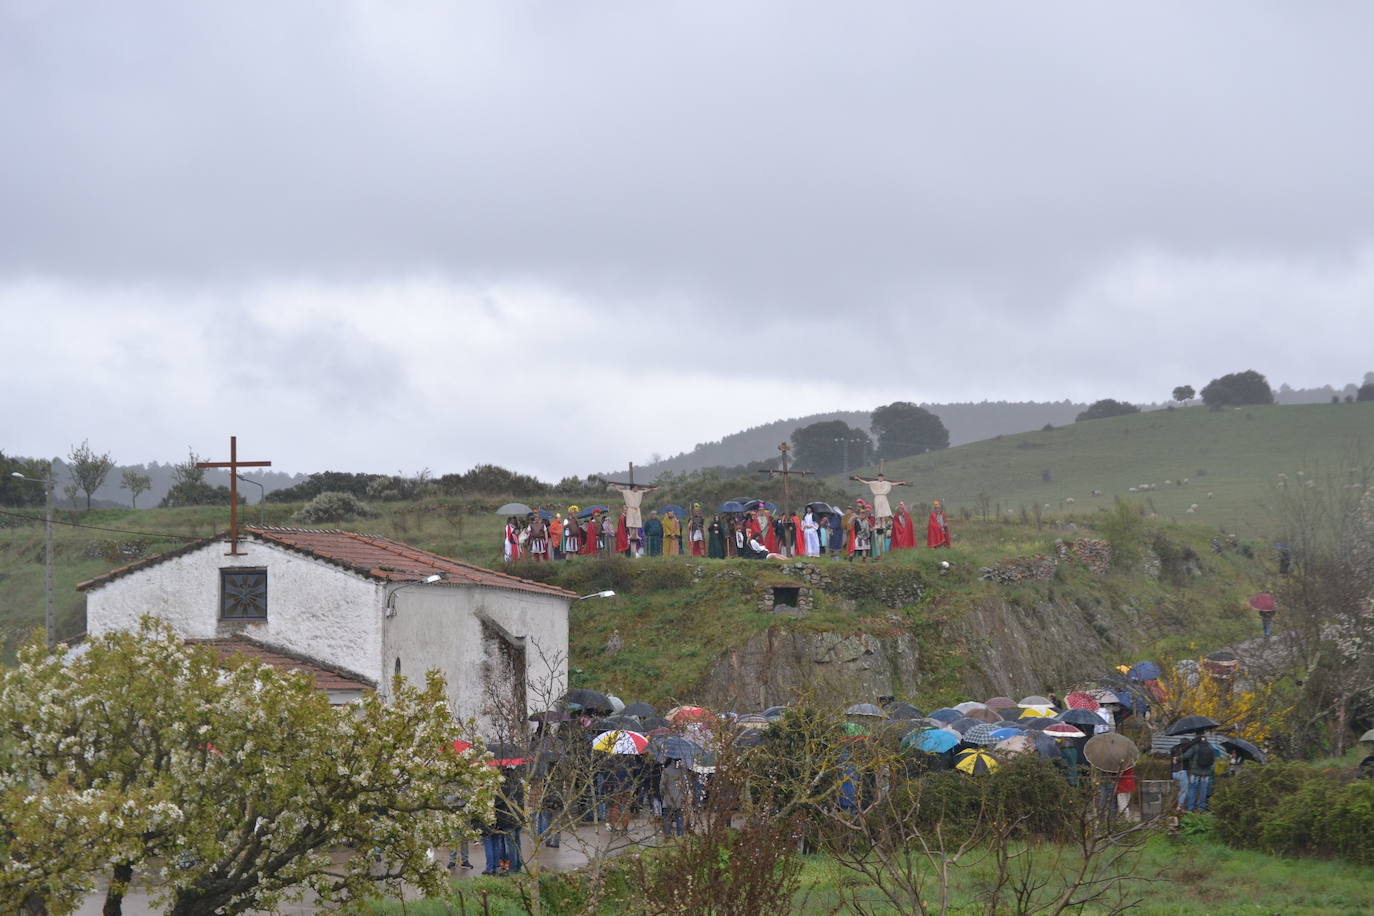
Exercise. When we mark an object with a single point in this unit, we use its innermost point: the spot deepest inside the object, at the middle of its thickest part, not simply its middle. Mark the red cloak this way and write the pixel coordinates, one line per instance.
(903, 531)
(589, 532)
(622, 536)
(937, 529)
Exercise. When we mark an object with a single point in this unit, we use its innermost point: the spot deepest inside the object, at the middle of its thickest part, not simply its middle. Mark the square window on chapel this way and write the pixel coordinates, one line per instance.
(243, 593)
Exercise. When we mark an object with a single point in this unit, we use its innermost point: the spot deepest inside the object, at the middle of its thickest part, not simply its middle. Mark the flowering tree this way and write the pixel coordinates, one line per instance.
(237, 781)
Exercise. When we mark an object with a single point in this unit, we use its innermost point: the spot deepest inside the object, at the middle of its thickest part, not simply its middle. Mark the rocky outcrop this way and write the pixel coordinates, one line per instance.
(779, 664)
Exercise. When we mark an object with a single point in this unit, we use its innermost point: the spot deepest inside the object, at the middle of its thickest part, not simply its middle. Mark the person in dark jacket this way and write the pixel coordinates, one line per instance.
(501, 838)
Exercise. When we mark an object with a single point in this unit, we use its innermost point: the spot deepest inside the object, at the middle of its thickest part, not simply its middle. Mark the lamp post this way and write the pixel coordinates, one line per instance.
(48, 620)
(845, 440)
(262, 495)
(606, 594)
(391, 598)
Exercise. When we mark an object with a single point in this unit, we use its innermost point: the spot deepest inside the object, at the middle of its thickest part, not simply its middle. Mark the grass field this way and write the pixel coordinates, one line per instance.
(1231, 461)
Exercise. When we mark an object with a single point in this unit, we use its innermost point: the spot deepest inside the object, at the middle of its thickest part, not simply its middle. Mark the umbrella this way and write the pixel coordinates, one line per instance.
(514, 509)
(821, 508)
(946, 715)
(1036, 723)
(1079, 699)
(1001, 703)
(673, 508)
(1045, 746)
(1002, 734)
(629, 723)
(620, 742)
(1036, 712)
(1223, 655)
(1015, 744)
(1262, 602)
(975, 762)
(639, 709)
(652, 722)
(754, 722)
(1010, 715)
(589, 700)
(550, 715)
(680, 714)
(1144, 671)
(904, 711)
(545, 514)
(1368, 736)
(1191, 724)
(985, 715)
(981, 734)
(592, 510)
(507, 755)
(1034, 700)
(673, 747)
(774, 712)
(1111, 752)
(1245, 749)
(969, 706)
(617, 704)
(756, 503)
(1081, 717)
(865, 709)
(1105, 697)
(931, 741)
(963, 725)
(731, 505)
(1062, 730)
(751, 737)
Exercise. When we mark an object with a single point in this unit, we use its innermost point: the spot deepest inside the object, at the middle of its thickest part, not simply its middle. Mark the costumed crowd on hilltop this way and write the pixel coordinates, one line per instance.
(745, 528)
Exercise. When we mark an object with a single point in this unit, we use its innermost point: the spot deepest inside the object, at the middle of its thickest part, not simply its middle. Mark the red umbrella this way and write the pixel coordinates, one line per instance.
(1079, 699)
(1262, 602)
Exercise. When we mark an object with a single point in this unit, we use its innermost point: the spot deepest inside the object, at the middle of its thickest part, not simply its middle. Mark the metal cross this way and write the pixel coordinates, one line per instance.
(233, 464)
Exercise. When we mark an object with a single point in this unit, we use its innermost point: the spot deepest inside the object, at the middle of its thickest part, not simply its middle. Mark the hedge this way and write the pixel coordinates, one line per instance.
(1292, 809)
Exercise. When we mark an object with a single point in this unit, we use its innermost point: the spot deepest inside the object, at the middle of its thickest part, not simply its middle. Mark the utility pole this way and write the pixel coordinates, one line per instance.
(49, 618)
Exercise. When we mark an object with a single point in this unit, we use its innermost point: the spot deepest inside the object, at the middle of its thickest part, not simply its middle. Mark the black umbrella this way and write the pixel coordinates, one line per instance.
(1081, 717)
(1191, 724)
(1245, 749)
(774, 712)
(653, 722)
(904, 711)
(588, 700)
(1223, 655)
(625, 723)
(1035, 723)
(751, 737)
(550, 715)
(639, 709)
(963, 725)
(1010, 715)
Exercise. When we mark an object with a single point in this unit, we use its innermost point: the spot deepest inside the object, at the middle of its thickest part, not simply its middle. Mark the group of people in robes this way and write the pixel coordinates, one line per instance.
(865, 530)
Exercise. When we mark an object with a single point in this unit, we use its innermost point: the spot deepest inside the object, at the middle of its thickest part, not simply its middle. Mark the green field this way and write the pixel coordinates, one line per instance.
(1230, 459)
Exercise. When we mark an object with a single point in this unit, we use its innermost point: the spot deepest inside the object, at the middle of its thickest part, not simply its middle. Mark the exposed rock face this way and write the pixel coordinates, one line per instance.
(779, 664)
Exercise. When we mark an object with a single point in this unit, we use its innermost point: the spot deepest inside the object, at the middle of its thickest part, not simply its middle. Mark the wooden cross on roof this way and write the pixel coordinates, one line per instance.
(233, 464)
(786, 476)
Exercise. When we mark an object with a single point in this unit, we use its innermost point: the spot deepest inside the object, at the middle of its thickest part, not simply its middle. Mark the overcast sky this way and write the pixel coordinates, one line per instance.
(385, 236)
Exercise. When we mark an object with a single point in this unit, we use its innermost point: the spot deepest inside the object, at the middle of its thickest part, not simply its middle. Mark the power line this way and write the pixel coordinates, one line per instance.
(148, 534)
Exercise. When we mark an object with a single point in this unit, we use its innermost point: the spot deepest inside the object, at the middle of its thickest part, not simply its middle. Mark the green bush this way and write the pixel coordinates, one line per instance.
(332, 507)
(1291, 809)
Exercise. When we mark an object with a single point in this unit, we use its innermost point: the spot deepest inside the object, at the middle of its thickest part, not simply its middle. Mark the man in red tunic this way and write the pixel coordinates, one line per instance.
(937, 529)
(903, 529)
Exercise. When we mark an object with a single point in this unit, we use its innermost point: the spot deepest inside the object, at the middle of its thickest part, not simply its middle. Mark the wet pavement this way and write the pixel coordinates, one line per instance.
(574, 851)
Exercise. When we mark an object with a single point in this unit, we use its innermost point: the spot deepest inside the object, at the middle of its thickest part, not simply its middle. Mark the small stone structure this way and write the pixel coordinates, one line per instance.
(785, 598)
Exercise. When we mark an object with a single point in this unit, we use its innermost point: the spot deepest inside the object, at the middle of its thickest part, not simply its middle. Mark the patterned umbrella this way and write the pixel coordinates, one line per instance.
(981, 734)
(1016, 744)
(680, 714)
(1079, 699)
(1035, 700)
(618, 742)
(975, 762)
(1062, 730)
(1001, 703)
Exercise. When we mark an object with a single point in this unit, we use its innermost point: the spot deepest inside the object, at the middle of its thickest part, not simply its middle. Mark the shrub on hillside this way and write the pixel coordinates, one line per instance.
(1238, 389)
(1291, 809)
(332, 507)
(1104, 408)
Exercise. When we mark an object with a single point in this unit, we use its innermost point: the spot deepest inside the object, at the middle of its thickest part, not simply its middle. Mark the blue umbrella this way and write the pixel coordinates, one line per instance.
(675, 509)
(545, 514)
(674, 747)
(1001, 734)
(1144, 671)
(931, 741)
(946, 715)
(592, 510)
(731, 505)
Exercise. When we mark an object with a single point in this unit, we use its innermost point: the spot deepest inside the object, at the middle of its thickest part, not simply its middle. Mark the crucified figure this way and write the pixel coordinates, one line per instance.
(632, 494)
(881, 486)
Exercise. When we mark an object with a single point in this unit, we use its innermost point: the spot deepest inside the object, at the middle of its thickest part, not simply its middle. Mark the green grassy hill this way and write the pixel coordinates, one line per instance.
(1229, 463)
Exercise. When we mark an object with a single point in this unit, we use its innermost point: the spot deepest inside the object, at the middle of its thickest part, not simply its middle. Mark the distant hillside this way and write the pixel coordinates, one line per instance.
(110, 496)
(966, 422)
(1229, 463)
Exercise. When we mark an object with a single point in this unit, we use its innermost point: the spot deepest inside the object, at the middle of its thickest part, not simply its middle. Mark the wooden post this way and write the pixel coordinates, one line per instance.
(233, 464)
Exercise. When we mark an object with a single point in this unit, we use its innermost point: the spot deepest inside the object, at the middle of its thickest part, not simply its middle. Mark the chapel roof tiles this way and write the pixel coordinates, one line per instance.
(325, 678)
(380, 558)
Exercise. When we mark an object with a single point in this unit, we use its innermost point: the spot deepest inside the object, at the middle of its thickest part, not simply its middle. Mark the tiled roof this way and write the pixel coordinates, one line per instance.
(325, 679)
(370, 555)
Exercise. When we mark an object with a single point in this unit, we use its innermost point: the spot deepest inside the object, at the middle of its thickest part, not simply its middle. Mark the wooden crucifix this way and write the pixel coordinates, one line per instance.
(632, 493)
(233, 464)
(786, 476)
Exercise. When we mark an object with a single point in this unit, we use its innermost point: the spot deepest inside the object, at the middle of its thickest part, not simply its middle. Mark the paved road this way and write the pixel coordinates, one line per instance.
(574, 852)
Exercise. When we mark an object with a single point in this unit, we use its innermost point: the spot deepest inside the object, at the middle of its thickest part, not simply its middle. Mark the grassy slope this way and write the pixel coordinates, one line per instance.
(1235, 455)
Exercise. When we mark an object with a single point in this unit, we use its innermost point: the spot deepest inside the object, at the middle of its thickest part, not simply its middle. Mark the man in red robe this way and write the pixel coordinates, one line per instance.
(937, 529)
(622, 535)
(903, 529)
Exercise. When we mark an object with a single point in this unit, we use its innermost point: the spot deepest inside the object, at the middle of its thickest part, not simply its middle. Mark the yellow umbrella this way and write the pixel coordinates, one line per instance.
(1037, 712)
(975, 762)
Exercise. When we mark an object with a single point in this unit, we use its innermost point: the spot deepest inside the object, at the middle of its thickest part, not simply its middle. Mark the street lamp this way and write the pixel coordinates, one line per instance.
(262, 495)
(606, 594)
(391, 599)
(48, 621)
